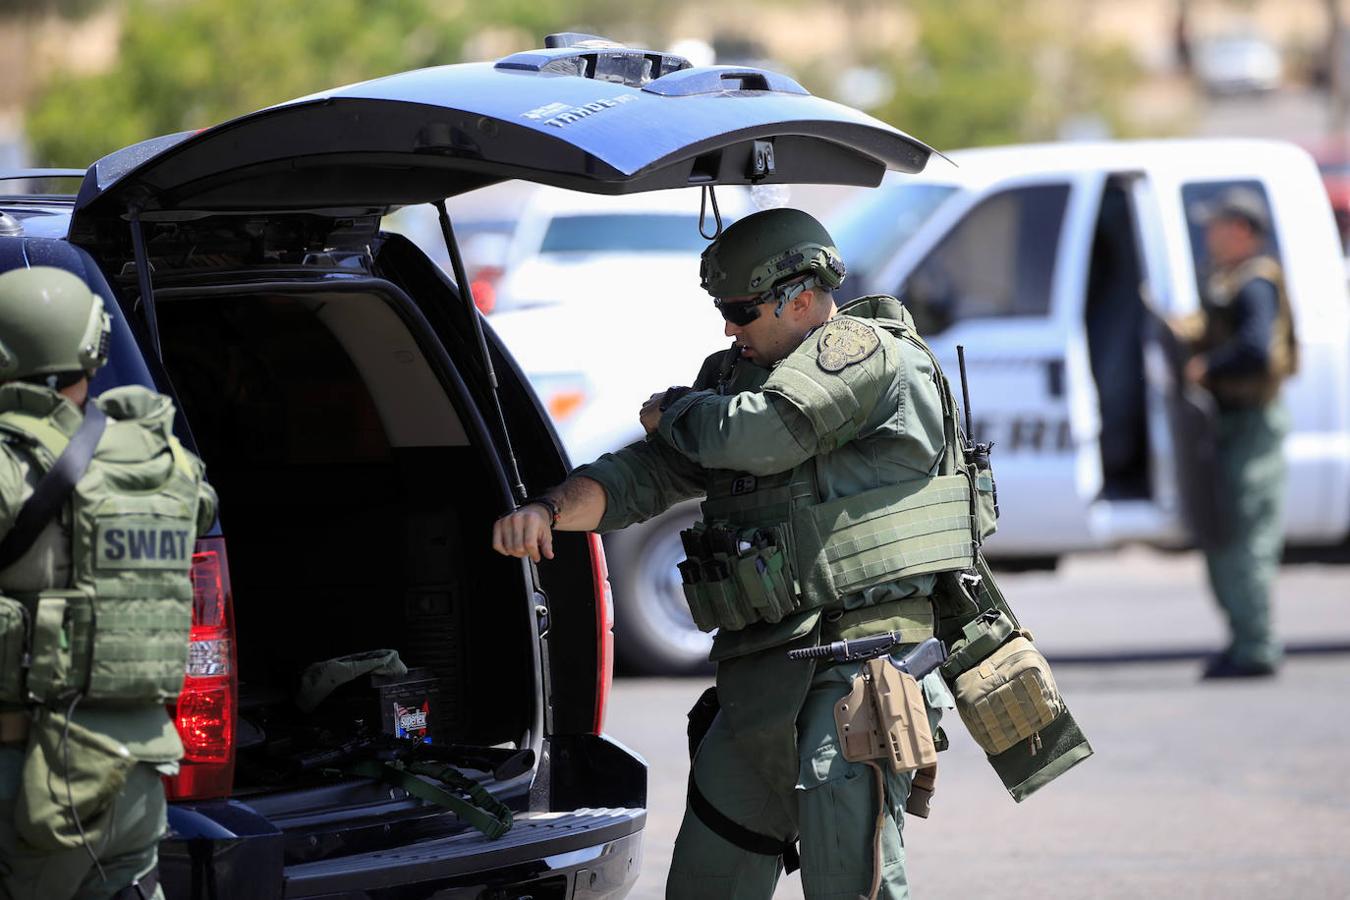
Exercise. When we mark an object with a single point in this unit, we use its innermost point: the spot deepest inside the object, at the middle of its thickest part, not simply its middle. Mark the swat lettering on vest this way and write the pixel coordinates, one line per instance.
(142, 546)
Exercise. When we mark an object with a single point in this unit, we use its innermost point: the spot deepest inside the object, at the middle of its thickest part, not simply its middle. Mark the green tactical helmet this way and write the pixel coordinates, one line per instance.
(766, 248)
(50, 322)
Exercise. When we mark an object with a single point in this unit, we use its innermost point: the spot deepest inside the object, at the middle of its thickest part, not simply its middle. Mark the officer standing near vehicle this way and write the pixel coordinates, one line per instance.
(1245, 349)
(99, 510)
(816, 417)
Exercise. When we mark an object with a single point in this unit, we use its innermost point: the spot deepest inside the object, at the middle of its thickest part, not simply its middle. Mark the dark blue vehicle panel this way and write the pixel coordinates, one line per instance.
(420, 136)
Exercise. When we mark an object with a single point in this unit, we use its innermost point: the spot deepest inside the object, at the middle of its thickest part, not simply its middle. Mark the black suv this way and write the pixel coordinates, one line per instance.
(358, 420)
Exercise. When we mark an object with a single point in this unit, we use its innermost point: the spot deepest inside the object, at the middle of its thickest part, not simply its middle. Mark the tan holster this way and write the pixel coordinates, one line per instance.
(884, 717)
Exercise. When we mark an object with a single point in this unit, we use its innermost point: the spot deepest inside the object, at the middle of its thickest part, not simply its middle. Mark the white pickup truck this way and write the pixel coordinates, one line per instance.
(1052, 265)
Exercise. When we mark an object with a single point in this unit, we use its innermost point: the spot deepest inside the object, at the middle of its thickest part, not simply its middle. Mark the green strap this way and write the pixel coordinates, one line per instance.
(489, 815)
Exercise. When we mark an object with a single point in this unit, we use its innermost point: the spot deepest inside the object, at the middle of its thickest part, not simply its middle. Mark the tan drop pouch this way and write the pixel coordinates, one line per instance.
(1008, 697)
(884, 718)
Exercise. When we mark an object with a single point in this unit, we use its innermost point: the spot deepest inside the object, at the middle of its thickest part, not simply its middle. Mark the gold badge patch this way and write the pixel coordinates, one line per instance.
(843, 343)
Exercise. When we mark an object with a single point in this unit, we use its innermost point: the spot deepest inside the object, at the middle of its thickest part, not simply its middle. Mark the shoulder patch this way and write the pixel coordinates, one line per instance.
(843, 342)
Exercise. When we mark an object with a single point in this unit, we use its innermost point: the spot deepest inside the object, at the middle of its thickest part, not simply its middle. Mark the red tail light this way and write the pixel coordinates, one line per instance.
(604, 630)
(483, 286)
(205, 711)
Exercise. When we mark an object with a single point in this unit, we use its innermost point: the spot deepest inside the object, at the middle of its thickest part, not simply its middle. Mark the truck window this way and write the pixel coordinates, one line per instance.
(998, 261)
(1195, 196)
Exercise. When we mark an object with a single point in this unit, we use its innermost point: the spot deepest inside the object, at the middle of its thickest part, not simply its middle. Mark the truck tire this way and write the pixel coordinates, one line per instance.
(653, 631)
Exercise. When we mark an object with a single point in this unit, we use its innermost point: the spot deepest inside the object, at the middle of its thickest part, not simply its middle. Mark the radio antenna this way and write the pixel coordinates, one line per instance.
(965, 393)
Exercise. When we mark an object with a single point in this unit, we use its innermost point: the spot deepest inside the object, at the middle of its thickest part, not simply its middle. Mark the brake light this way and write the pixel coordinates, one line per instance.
(604, 630)
(205, 711)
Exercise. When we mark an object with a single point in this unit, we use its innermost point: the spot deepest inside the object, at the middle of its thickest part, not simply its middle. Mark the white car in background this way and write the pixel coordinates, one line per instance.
(601, 307)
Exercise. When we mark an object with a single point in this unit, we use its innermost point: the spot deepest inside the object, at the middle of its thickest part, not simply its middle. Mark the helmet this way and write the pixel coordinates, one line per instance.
(50, 322)
(761, 251)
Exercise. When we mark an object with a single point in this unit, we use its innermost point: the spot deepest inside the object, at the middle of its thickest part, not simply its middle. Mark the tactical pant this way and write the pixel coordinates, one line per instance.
(833, 806)
(1242, 570)
(127, 851)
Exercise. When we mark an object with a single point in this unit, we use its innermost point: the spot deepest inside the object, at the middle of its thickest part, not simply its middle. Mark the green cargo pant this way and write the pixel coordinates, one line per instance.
(833, 806)
(128, 851)
(1241, 571)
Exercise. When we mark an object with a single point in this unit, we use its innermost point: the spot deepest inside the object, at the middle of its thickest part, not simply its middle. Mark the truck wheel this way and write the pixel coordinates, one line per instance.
(653, 631)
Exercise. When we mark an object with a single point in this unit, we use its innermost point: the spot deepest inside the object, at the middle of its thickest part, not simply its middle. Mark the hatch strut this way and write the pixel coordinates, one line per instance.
(466, 294)
(143, 279)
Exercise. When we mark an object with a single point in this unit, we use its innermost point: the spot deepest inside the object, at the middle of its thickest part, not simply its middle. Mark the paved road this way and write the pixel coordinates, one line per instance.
(1218, 790)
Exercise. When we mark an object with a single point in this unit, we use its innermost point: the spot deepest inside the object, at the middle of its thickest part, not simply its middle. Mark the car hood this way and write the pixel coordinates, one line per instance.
(432, 133)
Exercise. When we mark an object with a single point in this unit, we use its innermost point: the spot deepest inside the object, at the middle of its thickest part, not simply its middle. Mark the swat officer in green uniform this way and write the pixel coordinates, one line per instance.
(825, 445)
(1245, 349)
(99, 510)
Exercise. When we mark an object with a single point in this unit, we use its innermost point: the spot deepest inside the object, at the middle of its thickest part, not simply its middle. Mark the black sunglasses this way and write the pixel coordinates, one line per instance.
(742, 312)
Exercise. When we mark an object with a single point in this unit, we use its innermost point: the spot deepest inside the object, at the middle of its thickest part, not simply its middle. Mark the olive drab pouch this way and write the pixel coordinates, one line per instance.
(1009, 697)
(49, 669)
(980, 637)
(984, 493)
(13, 649)
(71, 776)
(884, 718)
(735, 578)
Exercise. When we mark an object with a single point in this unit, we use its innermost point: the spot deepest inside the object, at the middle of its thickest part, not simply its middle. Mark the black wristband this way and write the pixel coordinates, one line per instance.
(548, 503)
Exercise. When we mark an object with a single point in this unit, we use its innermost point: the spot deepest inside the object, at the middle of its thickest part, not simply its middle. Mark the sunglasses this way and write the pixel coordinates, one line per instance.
(742, 312)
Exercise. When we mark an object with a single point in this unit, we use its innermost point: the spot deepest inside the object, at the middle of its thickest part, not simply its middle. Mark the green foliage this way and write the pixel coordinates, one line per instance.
(187, 64)
(990, 72)
(69, 9)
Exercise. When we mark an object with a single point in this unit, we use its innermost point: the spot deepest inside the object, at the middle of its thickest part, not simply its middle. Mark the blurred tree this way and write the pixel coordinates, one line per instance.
(187, 64)
(70, 9)
(993, 71)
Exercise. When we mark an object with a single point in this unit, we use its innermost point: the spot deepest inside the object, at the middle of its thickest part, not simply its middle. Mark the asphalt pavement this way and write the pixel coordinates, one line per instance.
(1213, 790)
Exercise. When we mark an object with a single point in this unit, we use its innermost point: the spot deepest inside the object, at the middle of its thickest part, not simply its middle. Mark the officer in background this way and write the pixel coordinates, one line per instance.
(811, 409)
(95, 608)
(1245, 348)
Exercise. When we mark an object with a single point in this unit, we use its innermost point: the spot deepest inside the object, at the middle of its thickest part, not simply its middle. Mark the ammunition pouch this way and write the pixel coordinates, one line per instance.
(734, 578)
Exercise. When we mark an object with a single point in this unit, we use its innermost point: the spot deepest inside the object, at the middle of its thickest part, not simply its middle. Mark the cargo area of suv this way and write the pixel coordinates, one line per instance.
(353, 502)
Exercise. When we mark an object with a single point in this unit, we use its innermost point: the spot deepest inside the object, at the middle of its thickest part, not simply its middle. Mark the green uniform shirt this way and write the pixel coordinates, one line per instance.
(886, 427)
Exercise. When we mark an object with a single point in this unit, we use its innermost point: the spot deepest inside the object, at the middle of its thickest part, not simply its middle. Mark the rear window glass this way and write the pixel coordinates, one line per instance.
(998, 261)
(656, 233)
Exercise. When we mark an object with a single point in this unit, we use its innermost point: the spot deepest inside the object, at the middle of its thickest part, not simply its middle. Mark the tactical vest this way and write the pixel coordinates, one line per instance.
(768, 546)
(1258, 389)
(118, 633)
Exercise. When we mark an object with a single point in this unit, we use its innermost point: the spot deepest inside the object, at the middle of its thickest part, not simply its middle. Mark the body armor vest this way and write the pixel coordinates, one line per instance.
(769, 546)
(118, 632)
(1258, 389)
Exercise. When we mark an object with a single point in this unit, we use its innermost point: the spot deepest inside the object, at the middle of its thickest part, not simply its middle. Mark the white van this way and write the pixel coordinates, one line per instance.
(1051, 265)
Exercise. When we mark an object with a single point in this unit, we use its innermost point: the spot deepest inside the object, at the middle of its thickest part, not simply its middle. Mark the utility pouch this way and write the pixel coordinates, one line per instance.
(980, 638)
(1009, 697)
(884, 717)
(49, 673)
(71, 776)
(13, 653)
(985, 496)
